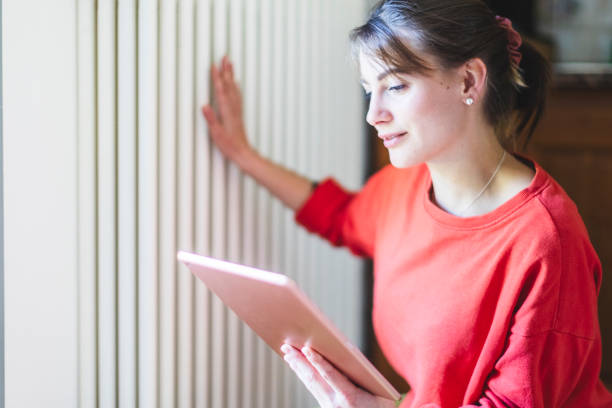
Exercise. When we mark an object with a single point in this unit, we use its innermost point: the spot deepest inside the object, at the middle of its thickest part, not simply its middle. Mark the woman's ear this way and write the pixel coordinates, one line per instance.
(474, 75)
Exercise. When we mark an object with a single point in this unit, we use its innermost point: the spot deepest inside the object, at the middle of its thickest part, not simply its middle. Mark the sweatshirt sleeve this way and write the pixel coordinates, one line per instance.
(552, 355)
(550, 369)
(342, 217)
(547, 369)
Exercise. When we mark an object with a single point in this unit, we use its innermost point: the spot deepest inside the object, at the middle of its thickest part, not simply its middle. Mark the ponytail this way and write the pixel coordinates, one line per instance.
(531, 98)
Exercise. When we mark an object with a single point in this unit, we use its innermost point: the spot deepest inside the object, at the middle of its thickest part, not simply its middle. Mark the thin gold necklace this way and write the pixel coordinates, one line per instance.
(485, 186)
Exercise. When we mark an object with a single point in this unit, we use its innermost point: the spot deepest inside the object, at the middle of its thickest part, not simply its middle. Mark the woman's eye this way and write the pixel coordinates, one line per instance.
(397, 88)
(392, 89)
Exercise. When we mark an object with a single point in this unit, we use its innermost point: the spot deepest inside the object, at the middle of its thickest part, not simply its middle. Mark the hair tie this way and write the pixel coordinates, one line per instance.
(514, 39)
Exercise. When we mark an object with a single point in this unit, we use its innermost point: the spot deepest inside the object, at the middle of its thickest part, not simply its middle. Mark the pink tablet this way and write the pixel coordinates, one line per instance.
(279, 312)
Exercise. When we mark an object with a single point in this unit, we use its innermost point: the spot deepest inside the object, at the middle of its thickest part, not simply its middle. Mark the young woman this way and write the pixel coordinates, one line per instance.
(485, 281)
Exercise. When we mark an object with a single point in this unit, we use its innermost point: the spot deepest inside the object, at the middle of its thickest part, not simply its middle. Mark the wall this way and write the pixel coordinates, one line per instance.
(580, 29)
(108, 171)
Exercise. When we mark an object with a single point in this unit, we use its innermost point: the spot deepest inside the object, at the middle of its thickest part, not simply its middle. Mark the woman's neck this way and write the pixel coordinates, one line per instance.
(477, 163)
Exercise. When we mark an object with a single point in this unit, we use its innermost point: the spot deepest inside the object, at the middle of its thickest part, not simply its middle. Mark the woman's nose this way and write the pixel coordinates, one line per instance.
(377, 113)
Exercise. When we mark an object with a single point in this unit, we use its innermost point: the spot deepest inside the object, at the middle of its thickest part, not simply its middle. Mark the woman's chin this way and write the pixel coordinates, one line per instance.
(401, 160)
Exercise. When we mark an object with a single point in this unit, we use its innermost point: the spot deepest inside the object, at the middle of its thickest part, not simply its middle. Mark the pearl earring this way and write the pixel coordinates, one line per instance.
(469, 101)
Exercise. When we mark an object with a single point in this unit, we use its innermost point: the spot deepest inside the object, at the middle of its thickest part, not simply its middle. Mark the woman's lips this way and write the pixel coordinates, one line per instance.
(393, 140)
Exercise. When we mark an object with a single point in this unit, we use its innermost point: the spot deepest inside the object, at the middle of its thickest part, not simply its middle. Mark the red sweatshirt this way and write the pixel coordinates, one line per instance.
(498, 310)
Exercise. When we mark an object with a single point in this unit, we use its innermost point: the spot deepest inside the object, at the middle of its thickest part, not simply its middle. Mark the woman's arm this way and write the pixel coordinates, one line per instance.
(228, 132)
(289, 187)
(341, 217)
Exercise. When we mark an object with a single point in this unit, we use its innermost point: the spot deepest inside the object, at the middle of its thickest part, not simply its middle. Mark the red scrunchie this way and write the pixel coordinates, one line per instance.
(514, 39)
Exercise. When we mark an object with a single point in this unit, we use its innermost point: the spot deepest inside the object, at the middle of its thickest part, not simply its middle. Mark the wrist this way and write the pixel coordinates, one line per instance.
(245, 157)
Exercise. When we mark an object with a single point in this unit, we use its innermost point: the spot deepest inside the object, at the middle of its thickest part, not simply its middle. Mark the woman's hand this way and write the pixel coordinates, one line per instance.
(329, 386)
(227, 127)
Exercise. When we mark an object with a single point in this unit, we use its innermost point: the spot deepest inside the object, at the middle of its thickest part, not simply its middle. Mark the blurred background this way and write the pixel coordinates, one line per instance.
(107, 171)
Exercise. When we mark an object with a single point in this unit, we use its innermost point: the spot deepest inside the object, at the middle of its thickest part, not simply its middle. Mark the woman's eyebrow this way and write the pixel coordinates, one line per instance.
(382, 75)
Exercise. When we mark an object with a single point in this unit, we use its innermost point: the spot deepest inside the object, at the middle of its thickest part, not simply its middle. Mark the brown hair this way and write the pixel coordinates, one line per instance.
(454, 31)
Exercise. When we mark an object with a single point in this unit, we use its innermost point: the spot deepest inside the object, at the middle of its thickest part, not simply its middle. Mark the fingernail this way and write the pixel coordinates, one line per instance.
(307, 352)
(285, 348)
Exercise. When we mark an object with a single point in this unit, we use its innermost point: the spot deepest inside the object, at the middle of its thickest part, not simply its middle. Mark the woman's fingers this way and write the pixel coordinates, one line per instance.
(210, 116)
(328, 385)
(337, 381)
(217, 83)
(230, 87)
(226, 93)
(308, 375)
(225, 122)
(222, 75)
(214, 125)
(231, 70)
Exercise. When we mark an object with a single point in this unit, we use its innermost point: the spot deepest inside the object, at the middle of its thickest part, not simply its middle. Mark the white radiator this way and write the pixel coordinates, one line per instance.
(149, 182)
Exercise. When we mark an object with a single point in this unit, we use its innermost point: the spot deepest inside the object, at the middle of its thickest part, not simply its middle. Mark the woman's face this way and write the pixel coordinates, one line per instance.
(426, 111)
